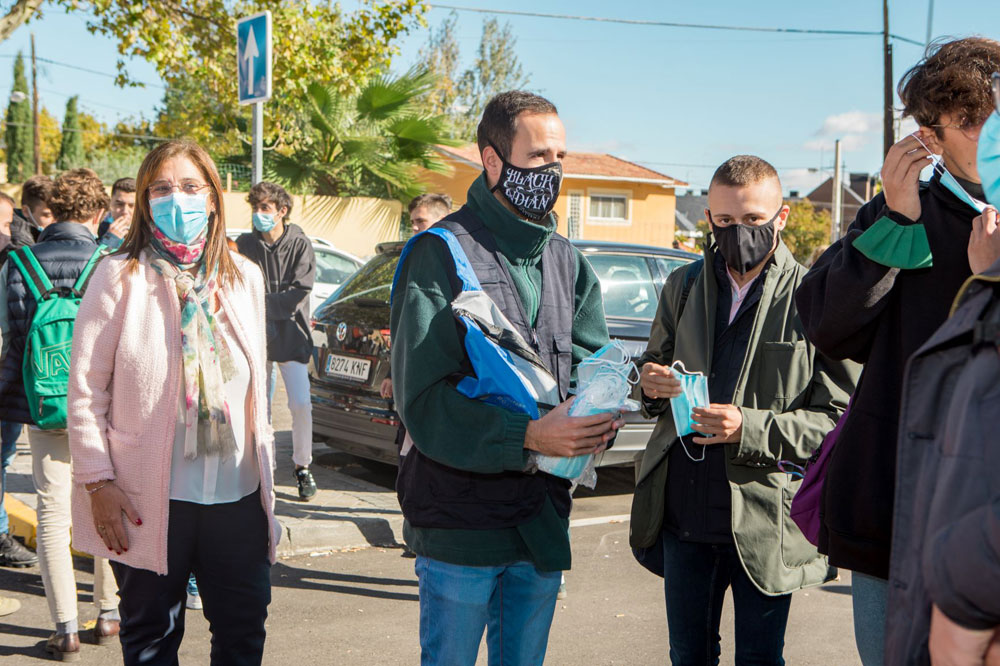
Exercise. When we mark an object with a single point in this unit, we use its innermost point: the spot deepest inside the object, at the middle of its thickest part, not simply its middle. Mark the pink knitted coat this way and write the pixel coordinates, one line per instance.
(122, 406)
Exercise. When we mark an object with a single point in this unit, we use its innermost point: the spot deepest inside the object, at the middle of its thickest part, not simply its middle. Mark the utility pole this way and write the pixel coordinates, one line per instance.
(37, 140)
(888, 134)
(837, 201)
(930, 21)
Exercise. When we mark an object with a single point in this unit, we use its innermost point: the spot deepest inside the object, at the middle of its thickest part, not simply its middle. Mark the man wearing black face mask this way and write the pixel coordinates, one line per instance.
(491, 539)
(714, 507)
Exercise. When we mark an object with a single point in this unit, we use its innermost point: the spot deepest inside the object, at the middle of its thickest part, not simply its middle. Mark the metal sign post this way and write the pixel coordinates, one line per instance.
(253, 67)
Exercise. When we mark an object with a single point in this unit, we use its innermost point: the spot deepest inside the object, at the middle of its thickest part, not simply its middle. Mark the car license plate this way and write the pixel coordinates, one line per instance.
(348, 367)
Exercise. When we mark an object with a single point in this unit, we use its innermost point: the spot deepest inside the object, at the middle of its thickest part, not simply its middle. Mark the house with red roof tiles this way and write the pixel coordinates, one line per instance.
(603, 197)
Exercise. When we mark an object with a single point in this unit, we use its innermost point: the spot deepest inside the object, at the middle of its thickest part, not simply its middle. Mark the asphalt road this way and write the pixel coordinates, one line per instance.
(361, 607)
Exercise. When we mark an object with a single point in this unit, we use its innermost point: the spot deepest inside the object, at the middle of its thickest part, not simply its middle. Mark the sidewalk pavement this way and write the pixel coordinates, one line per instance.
(346, 513)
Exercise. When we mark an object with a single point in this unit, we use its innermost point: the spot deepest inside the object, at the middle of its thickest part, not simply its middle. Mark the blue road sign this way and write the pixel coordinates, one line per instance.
(253, 57)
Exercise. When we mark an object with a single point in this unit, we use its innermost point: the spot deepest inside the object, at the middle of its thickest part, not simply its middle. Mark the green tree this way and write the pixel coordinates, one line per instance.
(192, 45)
(807, 229)
(71, 152)
(370, 143)
(463, 96)
(18, 134)
(495, 70)
(440, 57)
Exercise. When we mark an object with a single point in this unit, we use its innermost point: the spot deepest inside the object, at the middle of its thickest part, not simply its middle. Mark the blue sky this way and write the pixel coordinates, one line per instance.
(677, 100)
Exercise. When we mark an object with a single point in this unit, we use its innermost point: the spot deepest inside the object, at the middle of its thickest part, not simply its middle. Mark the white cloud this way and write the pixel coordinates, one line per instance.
(855, 129)
(851, 122)
(801, 180)
(848, 142)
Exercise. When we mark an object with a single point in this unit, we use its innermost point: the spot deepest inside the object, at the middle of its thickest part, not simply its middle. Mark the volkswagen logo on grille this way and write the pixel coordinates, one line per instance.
(341, 331)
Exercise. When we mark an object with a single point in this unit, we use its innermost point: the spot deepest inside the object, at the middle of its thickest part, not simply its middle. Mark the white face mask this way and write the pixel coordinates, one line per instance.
(949, 181)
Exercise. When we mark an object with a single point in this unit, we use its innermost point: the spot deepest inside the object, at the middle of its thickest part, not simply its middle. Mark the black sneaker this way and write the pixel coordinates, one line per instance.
(307, 485)
(13, 554)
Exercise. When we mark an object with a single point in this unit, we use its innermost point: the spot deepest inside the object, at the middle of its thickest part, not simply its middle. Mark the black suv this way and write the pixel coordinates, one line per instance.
(351, 344)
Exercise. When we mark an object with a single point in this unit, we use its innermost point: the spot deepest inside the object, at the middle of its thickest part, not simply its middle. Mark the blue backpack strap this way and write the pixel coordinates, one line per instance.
(463, 269)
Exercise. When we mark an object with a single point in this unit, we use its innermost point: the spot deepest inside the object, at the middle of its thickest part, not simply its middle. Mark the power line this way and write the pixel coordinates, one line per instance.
(674, 24)
(67, 65)
(123, 135)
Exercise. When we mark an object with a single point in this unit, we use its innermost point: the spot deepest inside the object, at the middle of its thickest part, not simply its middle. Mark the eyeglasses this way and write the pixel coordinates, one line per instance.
(164, 189)
(971, 131)
(996, 90)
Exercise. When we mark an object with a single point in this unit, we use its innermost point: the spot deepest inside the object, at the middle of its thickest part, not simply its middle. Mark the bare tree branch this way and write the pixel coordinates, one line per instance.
(18, 14)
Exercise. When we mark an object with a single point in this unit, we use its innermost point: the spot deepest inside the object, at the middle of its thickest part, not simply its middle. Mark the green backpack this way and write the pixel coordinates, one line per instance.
(50, 336)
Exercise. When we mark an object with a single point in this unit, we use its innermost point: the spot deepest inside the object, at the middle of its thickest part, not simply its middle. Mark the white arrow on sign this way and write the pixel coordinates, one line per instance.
(249, 53)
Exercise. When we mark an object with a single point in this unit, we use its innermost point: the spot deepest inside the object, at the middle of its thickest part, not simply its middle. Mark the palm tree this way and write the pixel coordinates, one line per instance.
(370, 143)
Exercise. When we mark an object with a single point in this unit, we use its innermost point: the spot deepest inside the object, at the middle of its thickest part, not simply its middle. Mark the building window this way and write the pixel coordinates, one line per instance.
(609, 208)
(575, 216)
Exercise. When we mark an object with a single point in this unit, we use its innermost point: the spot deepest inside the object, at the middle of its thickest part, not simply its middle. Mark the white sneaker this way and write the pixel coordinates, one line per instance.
(194, 601)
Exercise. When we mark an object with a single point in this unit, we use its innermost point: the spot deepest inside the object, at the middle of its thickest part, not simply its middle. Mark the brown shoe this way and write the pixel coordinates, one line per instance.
(106, 631)
(64, 647)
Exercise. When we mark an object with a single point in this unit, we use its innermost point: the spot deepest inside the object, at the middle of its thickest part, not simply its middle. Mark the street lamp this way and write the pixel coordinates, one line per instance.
(17, 96)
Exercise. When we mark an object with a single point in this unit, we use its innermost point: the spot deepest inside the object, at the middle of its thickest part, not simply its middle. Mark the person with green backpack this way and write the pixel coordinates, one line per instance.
(40, 292)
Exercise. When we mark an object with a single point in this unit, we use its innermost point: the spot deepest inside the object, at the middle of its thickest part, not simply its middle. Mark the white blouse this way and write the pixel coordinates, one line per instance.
(208, 479)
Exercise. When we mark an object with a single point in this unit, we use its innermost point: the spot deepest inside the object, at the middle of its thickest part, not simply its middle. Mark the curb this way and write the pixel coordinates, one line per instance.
(23, 519)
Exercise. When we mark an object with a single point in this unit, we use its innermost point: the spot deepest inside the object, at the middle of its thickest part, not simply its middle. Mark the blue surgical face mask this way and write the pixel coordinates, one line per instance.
(263, 222)
(951, 184)
(694, 393)
(988, 158)
(181, 217)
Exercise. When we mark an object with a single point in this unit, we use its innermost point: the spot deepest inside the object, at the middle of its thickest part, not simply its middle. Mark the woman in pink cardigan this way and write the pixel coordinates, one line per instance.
(167, 414)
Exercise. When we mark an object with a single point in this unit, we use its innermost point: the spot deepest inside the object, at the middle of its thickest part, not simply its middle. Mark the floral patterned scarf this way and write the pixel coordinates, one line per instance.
(207, 360)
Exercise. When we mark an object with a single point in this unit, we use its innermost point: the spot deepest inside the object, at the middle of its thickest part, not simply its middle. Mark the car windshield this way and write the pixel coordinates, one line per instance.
(667, 266)
(333, 268)
(626, 284)
(372, 281)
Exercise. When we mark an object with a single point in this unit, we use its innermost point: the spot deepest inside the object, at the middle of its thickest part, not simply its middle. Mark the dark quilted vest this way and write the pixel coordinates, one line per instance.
(438, 496)
(63, 250)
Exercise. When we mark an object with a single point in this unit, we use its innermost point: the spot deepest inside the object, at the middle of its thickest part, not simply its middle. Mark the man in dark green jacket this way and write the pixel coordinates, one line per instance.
(716, 503)
(491, 538)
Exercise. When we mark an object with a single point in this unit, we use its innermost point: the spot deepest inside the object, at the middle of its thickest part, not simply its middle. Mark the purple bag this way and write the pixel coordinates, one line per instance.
(806, 503)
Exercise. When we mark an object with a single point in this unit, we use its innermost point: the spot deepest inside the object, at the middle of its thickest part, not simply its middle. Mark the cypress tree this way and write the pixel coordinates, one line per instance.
(71, 151)
(18, 134)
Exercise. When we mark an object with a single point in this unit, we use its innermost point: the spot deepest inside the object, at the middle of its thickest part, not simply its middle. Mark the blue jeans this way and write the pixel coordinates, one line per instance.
(869, 596)
(513, 603)
(696, 576)
(9, 432)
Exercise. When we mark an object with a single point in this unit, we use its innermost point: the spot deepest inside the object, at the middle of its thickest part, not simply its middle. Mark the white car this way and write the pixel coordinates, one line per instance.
(333, 267)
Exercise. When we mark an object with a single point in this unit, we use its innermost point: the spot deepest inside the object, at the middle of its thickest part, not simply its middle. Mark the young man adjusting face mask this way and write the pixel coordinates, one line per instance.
(528, 178)
(746, 222)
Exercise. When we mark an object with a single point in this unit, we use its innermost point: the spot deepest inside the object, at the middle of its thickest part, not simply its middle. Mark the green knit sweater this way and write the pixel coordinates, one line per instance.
(461, 432)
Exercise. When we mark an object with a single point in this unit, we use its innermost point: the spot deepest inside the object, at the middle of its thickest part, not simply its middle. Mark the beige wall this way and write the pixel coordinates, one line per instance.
(651, 207)
(354, 224)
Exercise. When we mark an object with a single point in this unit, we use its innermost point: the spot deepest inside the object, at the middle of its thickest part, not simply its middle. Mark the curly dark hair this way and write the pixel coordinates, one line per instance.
(953, 78)
(264, 192)
(77, 195)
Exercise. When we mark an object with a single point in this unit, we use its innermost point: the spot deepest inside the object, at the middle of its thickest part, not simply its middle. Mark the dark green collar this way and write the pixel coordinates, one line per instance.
(519, 240)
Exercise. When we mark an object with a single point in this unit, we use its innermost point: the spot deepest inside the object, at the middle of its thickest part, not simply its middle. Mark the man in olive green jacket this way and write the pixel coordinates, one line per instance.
(715, 503)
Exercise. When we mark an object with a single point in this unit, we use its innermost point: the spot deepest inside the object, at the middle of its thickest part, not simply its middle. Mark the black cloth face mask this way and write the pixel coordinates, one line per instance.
(744, 246)
(531, 191)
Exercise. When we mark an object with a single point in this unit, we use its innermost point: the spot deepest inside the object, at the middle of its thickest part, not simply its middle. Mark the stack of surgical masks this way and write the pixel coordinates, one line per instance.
(604, 383)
